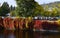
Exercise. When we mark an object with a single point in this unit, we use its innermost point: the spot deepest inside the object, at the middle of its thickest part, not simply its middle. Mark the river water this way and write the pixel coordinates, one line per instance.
(26, 34)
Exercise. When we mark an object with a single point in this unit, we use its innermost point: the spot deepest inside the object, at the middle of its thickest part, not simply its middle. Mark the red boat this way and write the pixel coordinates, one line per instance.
(45, 25)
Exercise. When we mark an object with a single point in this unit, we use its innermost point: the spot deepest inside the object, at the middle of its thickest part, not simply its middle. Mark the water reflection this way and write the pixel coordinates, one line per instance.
(26, 34)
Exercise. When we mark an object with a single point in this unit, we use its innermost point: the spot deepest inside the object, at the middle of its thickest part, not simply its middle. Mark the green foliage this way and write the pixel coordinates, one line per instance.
(12, 13)
(54, 7)
(26, 8)
(47, 13)
(4, 9)
(12, 8)
(38, 10)
(52, 13)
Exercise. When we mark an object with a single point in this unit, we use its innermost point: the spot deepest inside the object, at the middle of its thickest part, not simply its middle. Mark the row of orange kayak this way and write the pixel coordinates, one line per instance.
(27, 23)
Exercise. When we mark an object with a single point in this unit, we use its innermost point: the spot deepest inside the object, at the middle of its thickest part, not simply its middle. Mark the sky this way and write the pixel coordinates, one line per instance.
(46, 1)
(10, 2)
(13, 2)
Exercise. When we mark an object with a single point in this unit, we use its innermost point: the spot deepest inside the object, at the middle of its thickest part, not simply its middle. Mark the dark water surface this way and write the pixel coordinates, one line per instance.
(26, 34)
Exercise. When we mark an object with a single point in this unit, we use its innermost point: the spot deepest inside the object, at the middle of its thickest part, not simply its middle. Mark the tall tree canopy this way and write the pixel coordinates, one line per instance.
(38, 10)
(26, 8)
(4, 9)
(12, 8)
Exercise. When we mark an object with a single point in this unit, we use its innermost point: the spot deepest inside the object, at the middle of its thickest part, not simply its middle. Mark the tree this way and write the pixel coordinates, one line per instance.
(13, 13)
(47, 13)
(12, 8)
(54, 12)
(0, 11)
(25, 8)
(4, 9)
(39, 10)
